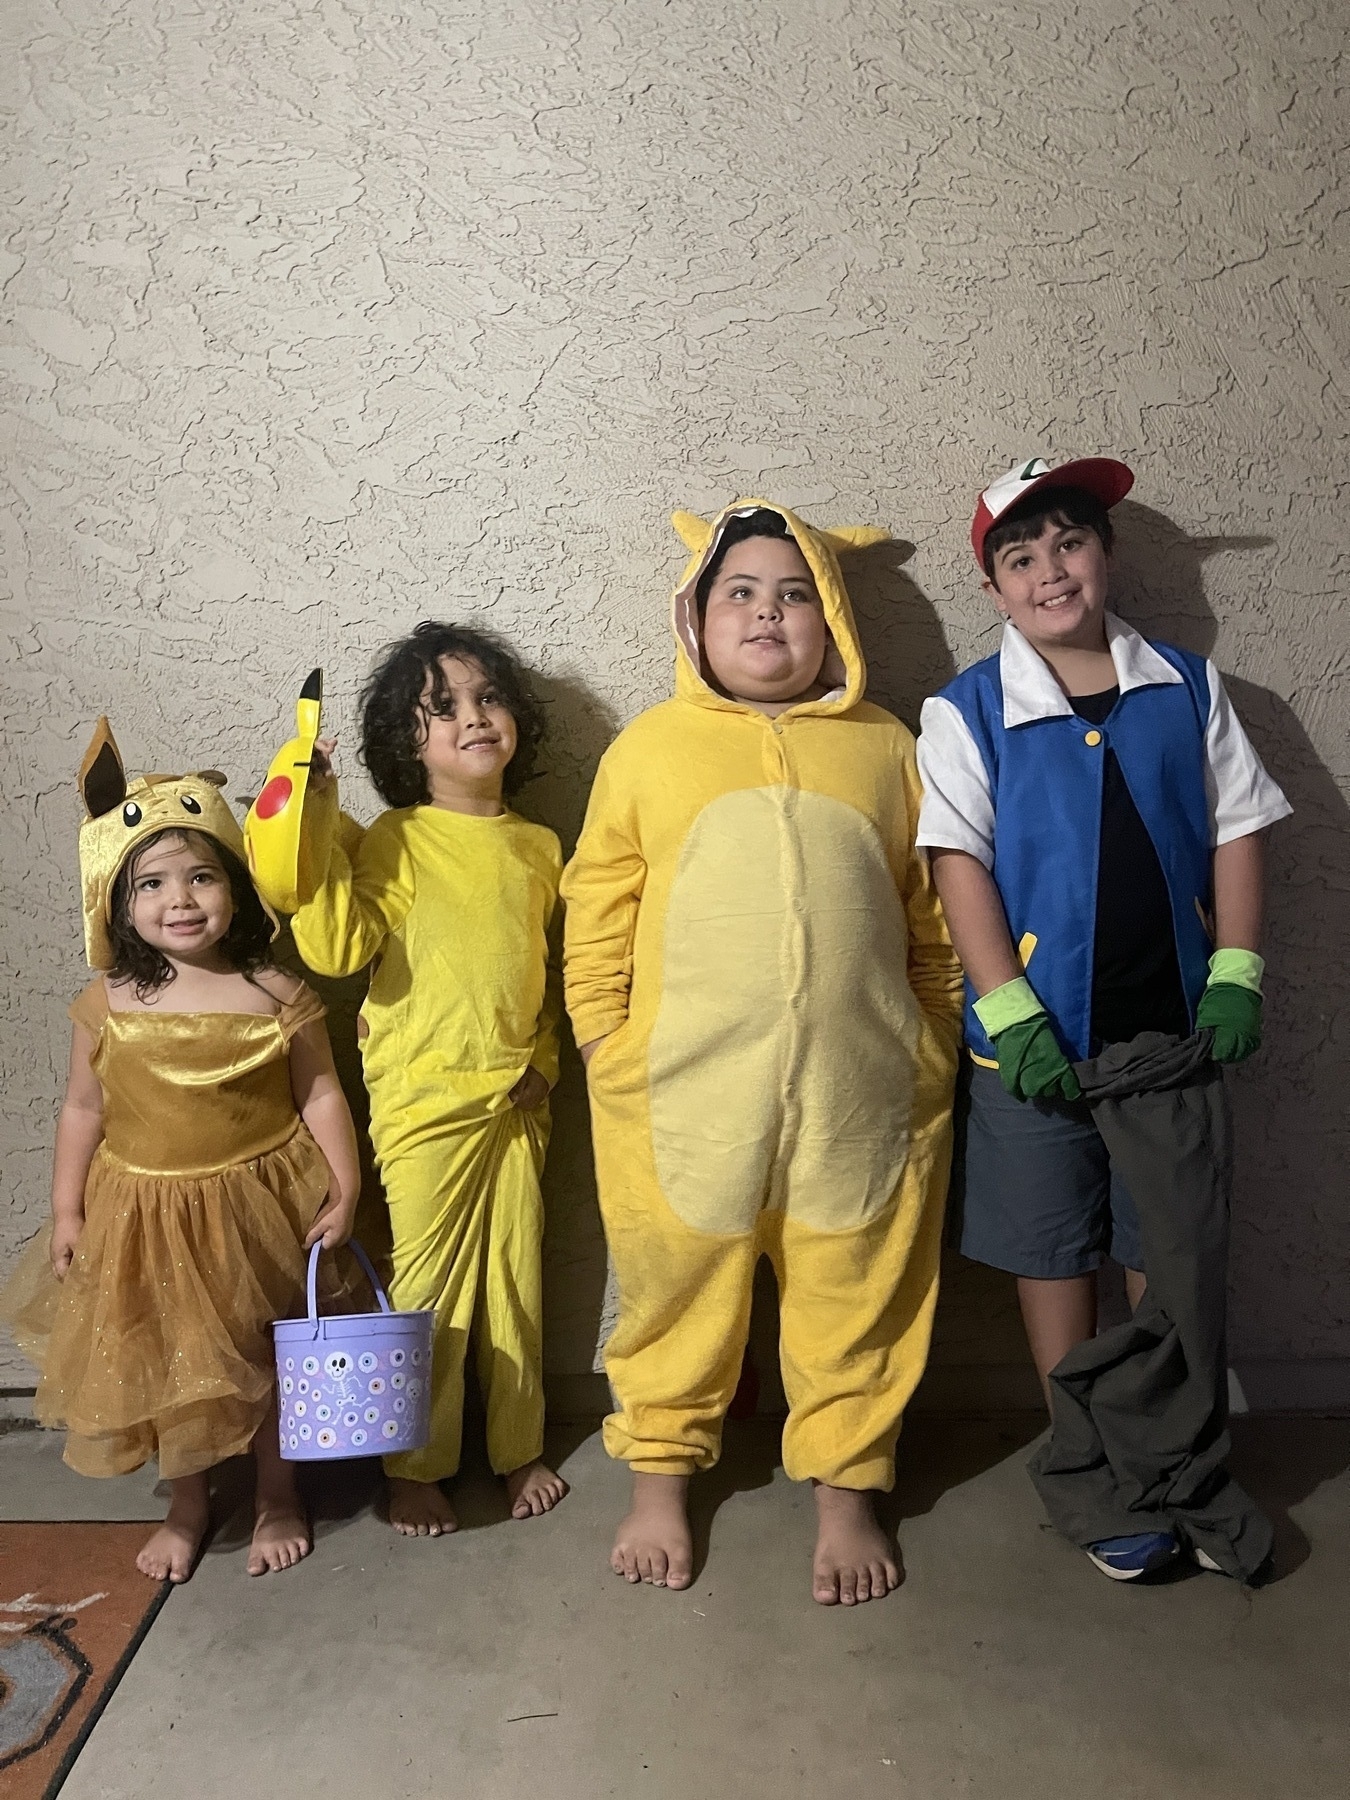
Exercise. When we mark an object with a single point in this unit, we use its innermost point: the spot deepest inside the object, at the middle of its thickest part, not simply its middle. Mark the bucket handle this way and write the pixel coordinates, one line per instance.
(311, 1288)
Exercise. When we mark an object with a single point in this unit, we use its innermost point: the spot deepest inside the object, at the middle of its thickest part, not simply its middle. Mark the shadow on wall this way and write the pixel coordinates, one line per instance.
(902, 638)
(1292, 1119)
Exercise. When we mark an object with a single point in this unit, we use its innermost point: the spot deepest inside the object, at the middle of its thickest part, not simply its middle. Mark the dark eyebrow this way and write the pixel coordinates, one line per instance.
(795, 580)
(1017, 544)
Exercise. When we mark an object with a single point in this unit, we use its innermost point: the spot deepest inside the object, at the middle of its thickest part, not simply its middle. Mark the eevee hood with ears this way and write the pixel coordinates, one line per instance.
(123, 815)
(844, 672)
(756, 956)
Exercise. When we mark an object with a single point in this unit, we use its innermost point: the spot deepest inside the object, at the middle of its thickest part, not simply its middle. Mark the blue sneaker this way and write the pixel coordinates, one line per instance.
(1127, 1558)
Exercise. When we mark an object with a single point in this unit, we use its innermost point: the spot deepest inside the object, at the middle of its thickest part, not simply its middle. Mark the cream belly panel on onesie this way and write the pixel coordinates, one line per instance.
(780, 1063)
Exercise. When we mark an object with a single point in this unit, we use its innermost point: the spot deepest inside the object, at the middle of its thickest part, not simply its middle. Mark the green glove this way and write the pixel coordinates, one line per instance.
(1230, 1006)
(1031, 1064)
(1233, 1014)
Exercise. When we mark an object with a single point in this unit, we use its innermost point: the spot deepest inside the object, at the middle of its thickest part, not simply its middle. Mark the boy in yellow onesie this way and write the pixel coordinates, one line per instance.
(759, 976)
(451, 896)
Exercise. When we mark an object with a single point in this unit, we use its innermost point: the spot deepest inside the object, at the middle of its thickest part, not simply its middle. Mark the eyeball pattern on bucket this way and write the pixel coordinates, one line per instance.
(352, 1404)
(352, 1384)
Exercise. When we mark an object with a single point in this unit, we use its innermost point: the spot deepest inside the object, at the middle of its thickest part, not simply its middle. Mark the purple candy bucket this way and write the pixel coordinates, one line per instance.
(358, 1384)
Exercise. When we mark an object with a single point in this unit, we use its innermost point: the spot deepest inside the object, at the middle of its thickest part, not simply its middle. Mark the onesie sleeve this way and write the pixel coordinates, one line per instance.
(362, 893)
(602, 887)
(1242, 797)
(545, 1057)
(934, 971)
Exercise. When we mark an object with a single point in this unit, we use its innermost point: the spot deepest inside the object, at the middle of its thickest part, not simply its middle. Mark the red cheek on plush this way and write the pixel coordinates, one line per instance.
(274, 797)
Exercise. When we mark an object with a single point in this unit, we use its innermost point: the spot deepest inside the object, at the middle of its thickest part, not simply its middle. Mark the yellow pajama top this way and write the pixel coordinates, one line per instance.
(455, 911)
(752, 931)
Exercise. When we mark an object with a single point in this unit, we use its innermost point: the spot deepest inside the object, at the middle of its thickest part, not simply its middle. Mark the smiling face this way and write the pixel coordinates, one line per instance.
(466, 739)
(180, 902)
(763, 634)
(1053, 587)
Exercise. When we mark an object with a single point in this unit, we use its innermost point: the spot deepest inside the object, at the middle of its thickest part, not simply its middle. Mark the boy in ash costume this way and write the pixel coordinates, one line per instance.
(759, 976)
(1095, 815)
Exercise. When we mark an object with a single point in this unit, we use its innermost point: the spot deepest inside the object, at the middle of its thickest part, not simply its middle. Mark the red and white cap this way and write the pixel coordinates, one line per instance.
(1103, 476)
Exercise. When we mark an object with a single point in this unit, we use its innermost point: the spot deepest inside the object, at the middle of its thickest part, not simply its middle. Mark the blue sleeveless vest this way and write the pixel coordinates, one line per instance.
(1046, 779)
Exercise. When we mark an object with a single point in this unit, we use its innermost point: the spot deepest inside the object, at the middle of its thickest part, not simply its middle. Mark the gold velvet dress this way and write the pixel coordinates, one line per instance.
(196, 1210)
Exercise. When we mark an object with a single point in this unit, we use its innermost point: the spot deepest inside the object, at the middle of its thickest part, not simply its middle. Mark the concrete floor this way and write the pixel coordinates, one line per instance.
(507, 1658)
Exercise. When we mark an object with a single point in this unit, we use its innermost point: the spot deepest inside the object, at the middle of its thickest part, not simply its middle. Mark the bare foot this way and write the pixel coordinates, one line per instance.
(420, 1509)
(281, 1538)
(653, 1542)
(281, 1531)
(171, 1552)
(853, 1560)
(533, 1489)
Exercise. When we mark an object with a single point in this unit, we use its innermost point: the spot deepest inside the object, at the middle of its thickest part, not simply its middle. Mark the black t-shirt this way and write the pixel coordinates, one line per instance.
(1136, 980)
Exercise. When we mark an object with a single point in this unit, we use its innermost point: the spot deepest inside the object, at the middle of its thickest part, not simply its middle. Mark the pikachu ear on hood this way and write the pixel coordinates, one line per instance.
(844, 538)
(695, 532)
(103, 777)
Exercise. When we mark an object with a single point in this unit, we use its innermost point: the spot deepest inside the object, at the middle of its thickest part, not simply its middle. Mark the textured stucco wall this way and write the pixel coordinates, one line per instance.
(323, 318)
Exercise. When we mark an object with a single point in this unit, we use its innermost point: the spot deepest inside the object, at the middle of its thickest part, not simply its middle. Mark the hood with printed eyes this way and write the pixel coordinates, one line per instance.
(844, 672)
(124, 814)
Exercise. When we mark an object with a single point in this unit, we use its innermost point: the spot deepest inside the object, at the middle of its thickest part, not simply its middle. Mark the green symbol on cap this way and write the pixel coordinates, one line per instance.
(1033, 468)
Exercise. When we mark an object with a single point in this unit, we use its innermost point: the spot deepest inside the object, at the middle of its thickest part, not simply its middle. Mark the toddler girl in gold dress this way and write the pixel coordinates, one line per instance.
(203, 1146)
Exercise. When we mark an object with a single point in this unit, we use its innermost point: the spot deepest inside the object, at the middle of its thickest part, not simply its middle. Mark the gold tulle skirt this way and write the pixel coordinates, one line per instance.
(158, 1340)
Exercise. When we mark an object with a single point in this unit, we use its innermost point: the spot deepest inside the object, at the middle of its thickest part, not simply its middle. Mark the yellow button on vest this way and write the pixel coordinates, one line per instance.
(1094, 738)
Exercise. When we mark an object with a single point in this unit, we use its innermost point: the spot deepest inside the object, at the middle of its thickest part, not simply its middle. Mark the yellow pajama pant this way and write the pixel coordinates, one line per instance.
(856, 1313)
(467, 1220)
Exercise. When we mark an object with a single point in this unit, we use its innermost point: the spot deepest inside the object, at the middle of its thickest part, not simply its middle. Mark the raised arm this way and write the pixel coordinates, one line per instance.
(362, 887)
(602, 887)
(79, 1132)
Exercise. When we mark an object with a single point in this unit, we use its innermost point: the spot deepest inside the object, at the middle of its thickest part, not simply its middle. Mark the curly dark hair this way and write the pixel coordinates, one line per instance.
(1062, 506)
(763, 522)
(247, 944)
(391, 705)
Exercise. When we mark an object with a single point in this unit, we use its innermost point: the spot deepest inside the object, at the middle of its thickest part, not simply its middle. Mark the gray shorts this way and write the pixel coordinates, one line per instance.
(1033, 1189)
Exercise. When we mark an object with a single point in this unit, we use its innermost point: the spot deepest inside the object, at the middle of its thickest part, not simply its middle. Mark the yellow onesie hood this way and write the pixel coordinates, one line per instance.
(844, 671)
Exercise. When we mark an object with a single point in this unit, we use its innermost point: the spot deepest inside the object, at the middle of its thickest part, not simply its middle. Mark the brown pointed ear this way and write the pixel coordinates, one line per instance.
(103, 780)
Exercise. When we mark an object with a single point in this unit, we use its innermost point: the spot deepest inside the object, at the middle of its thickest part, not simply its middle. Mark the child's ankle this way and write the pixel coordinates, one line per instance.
(666, 1491)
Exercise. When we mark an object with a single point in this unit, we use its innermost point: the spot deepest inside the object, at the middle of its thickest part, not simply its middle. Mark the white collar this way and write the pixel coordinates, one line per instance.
(1030, 690)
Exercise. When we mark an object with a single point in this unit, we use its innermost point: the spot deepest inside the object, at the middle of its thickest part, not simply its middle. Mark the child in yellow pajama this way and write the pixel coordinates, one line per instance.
(762, 985)
(451, 896)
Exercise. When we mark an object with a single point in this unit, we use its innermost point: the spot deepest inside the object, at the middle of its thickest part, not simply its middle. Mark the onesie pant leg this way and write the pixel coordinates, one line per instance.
(855, 1320)
(436, 1217)
(461, 1233)
(507, 1326)
(674, 1358)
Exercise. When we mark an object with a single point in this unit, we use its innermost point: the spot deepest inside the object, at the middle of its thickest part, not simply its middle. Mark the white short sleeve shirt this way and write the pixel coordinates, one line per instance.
(958, 802)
